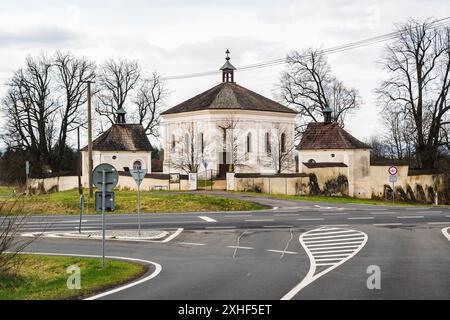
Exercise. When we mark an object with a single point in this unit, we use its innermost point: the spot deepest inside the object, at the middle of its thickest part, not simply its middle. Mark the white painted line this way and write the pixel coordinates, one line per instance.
(440, 222)
(286, 214)
(239, 247)
(410, 217)
(238, 216)
(361, 218)
(357, 240)
(429, 212)
(193, 243)
(327, 259)
(335, 214)
(281, 251)
(332, 241)
(337, 250)
(327, 233)
(227, 227)
(330, 237)
(207, 219)
(278, 226)
(334, 225)
(172, 236)
(257, 220)
(334, 245)
(446, 233)
(448, 216)
(331, 255)
(312, 275)
(309, 219)
(157, 266)
(387, 224)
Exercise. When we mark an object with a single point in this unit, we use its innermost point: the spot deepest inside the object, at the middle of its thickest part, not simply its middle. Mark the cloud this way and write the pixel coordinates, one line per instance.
(43, 36)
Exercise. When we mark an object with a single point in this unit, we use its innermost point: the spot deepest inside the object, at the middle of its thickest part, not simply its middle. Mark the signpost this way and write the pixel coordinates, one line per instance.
(81, 211)
(205, 164)
(138, 176)
(393, 179)
(104, 177)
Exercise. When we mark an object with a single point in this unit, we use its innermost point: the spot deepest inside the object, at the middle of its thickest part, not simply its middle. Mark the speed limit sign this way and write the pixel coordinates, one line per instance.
(392, 170)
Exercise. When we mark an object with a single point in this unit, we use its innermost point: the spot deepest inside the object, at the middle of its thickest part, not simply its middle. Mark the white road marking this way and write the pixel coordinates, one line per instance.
(278, 226)
(286, 214)
(315, 236)
(328, 233)
(238, 216)
(429, 211)
(387, 224)
(338, 250)
(157, 266)
(207, 219)
(313, 255)
(335, 225)
(410, 217)
(439, 222)
(446, 233)
(332, 255)
(257, 220)
(283, 251)
(227, 227)
(360, 218)
(240, 247)
(315, 243)
(333, 245)
(193, 243)
(335, 214)
(172, 236)
(309, 219)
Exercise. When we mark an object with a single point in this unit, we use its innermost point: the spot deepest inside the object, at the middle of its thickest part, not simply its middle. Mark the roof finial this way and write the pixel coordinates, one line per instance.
(228, 55)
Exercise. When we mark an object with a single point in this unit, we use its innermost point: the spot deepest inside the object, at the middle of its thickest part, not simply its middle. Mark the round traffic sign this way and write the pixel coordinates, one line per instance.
(392, 170)
(111, 176)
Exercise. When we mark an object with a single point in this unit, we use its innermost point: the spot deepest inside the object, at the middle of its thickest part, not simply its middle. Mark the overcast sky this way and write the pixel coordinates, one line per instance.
(181, 37)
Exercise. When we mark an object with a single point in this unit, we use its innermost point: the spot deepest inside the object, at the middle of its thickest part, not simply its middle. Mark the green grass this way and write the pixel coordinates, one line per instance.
(67, 202)
(335, 199)
(6, 191)
(45, 277)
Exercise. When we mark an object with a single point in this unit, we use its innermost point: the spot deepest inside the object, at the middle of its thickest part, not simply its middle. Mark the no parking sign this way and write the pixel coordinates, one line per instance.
(392, 170)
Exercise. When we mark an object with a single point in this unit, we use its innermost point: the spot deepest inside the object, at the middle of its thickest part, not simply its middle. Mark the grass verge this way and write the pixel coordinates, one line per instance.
(67, 202)
(334, 199)
(45, 277)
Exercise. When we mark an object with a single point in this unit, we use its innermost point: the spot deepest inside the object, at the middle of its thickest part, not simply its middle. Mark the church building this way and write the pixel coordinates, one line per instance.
(125, 146)
(228, 128)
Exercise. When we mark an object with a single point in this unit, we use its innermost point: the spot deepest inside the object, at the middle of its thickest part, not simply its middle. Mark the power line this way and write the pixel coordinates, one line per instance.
(341, 48)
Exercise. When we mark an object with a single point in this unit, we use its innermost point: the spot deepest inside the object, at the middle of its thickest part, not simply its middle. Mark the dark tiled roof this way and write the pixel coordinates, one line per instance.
(229, 95)
(395, 162)
(311, 165)
(319, 135)
(122, 137)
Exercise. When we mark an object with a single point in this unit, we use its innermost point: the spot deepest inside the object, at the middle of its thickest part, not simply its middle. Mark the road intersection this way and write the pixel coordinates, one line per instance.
(297, 250)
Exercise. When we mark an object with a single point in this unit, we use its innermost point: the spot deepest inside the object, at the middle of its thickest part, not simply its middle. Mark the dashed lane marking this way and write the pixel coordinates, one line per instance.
(207, 219)
(439, 222)
(388, 224)
(315, 254)
(360, 218)
(258, 220)
(446, 233)
(283, 251)
(241, 247)
(410, 217)
(310, 219)
(238, 216)
(193, 243)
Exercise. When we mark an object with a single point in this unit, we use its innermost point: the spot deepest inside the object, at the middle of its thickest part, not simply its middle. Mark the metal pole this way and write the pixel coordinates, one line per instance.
(139, 206)
(103, 216)
(81, 211)
(80, 189)
(393, 192)
(90, 161)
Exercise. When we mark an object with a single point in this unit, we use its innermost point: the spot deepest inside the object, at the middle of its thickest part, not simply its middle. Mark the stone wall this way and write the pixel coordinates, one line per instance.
(291, 184)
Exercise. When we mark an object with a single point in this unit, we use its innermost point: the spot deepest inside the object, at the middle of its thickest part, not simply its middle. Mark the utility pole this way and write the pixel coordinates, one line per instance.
(80, 190)
(90, 162)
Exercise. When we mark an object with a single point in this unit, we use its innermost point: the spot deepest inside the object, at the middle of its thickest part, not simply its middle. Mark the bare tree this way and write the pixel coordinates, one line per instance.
(149, 100)
(11, 242)
(115, 81)
(282, 149)
(30, 110)
(418, 62)
(309, 86)
(71, 73)
(231, 143)
(186, 156)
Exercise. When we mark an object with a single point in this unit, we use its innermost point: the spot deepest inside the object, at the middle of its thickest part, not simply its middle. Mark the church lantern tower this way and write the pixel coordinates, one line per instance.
(227, 69)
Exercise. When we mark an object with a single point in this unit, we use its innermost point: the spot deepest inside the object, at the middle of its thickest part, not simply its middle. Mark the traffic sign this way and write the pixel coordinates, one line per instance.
(138, 175)
(392, 170)
(393, 179)
(111, 176)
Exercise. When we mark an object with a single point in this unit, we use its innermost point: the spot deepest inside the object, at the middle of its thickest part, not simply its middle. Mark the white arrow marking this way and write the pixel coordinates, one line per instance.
(446, 233)
(317, 259)
(208, 219)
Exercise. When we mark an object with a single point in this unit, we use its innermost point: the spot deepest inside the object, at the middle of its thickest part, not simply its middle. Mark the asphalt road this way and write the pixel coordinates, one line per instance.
(298, 250)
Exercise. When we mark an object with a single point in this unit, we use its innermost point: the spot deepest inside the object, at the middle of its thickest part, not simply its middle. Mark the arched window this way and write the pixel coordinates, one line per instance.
(283, 142)
(268, 146)
(172, 146)
(137, 165)
(249, 142)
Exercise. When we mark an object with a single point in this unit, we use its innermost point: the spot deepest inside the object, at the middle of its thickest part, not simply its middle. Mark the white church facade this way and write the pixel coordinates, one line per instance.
(228, 128)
